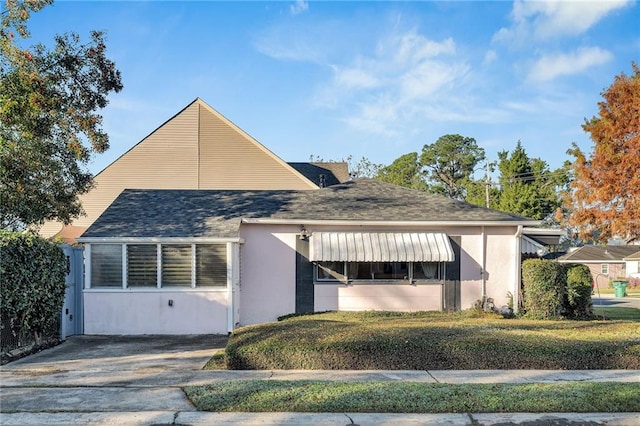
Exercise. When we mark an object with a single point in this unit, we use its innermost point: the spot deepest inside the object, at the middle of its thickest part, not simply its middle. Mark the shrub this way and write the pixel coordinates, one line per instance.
(577, 303)
(544, 284)
(32, 289)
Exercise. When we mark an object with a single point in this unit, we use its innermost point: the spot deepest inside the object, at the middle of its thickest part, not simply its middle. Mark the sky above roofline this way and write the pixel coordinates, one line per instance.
(372, 79)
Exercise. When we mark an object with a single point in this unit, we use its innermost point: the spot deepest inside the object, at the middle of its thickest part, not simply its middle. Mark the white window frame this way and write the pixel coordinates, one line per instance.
(604, 268)
(194, 286)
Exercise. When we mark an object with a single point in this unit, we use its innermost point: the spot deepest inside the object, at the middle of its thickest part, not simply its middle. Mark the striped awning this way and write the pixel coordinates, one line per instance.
(380, 247)
(530, 246)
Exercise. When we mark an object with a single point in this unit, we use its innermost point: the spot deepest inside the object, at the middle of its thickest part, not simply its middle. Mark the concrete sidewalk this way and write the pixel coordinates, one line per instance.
(44, 396)
(138, 381)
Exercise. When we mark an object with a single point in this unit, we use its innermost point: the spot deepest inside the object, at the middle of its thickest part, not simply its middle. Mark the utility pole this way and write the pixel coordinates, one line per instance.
(487, 185)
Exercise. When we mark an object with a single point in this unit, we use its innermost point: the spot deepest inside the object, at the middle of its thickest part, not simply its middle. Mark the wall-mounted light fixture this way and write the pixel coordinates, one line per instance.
(304, 234)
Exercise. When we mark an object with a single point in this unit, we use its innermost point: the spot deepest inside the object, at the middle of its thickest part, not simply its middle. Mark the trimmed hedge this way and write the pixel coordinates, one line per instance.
(32, 288)
(577, 303)
(544, 283)
(431, 341)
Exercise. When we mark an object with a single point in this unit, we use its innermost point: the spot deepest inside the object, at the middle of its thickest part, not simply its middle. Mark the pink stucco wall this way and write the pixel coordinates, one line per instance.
(267, 273)
(148, 312)
(392, 297)
(267, 263)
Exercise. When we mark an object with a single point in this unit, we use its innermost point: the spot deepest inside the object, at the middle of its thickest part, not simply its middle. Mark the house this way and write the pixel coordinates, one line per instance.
(605, 262)
(632, 264)
(206, 261)
(198, 148)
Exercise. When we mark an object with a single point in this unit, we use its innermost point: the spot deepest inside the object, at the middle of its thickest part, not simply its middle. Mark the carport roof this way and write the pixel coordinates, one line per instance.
(218, 213)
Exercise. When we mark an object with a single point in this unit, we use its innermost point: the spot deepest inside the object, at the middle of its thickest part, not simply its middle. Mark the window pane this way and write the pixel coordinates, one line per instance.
(382, 271)
(604, 268)
(142, 265)
(330, 271)
(390, 271)
(427, 271)
(176, 265)
(106, 265)
(211, 265)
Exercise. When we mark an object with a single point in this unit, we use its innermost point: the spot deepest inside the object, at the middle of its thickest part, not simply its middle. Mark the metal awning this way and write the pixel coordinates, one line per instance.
(380, 247)
(530, 246)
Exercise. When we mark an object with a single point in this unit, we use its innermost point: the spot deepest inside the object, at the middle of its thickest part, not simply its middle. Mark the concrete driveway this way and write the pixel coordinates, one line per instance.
(86, 374)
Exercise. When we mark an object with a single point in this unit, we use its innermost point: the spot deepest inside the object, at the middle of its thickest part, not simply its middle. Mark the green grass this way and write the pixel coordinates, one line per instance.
(412, 397)
(617, 313)
(431, 341)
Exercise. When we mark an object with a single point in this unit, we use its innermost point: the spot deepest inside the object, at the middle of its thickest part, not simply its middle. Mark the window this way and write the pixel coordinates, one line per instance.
(604, 268)
(106, 265)
(176, 265)
(379, 271)
(158, 265)
(428, 271)
(142, 265)
(330, 271)
(211, 265)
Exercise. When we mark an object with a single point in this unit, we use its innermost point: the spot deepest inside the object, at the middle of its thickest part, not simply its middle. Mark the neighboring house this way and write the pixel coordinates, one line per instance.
(605, 262)
(632, 264)
(207, 261)
(198, 148)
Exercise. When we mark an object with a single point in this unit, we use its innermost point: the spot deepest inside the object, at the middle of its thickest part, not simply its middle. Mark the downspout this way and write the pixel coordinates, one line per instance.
(517, 285)
(484, 266)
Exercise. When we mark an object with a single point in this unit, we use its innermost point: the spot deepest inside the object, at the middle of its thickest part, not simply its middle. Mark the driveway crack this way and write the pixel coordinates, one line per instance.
(432, 376)
(351, 420)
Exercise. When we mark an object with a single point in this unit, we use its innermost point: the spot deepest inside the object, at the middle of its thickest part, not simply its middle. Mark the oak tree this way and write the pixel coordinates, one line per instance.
(49, 120)
(405, 170)
(605, 198)
(450, 162)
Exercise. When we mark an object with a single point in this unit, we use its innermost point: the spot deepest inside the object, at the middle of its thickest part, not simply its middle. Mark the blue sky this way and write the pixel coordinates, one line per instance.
(372, 79)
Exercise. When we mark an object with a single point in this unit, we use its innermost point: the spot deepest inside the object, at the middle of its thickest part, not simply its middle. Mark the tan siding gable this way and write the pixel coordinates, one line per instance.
(196, 149)
(231, 159)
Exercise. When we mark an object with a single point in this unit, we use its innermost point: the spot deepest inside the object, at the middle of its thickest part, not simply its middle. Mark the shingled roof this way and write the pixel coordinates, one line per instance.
(213, 213)
(599, 254)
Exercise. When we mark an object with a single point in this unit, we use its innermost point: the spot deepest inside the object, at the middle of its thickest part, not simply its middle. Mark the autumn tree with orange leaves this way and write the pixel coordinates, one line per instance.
(605, 197)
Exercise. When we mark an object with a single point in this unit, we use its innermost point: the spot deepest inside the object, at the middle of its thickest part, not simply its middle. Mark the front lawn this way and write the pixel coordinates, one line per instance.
(431, 341)
(411, 397)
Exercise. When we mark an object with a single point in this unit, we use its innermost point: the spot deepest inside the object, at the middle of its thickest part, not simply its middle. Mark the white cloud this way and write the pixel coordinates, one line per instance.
(489, 57)
(382, 91)
(298, 7)
(549, 67)
(544, 20)
(354, 78)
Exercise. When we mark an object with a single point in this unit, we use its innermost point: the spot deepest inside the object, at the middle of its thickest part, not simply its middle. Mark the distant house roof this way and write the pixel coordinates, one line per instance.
(212, 213)
(599, 254)
(332, 173)
(634, 256)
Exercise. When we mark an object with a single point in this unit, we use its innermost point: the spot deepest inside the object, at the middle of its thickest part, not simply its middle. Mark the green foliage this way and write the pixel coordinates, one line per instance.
(406, 171)
(305, 396)
(450, 162)
(33, 272)
(374, 340)
(49, 126)
(527, 186)
(544, 284)
(578, 303)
